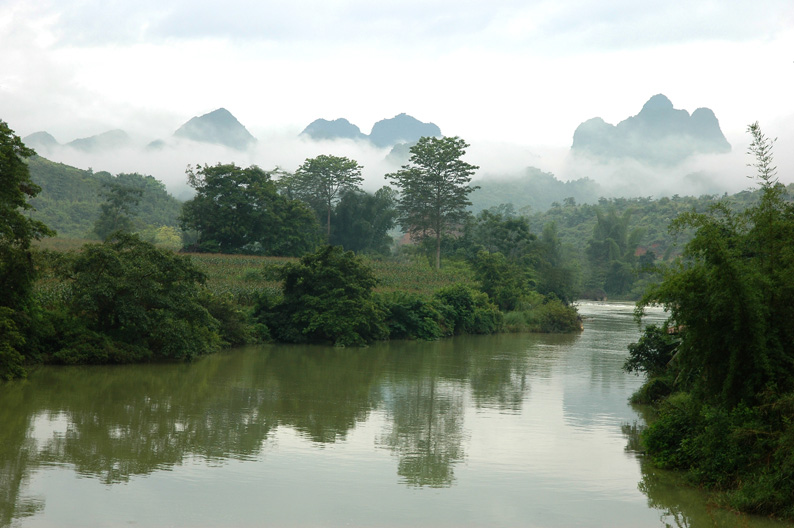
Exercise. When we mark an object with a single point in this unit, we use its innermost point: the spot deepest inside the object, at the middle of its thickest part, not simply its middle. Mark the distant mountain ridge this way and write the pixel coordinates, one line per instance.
(659, 134)
(397, 130)
(219, 127)
(337, 129)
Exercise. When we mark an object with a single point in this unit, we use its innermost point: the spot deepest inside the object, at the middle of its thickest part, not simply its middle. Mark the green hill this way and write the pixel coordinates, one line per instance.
(534, 189)
(70, 198)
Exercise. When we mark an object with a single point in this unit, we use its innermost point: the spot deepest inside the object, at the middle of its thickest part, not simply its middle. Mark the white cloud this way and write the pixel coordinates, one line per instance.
(501, 72)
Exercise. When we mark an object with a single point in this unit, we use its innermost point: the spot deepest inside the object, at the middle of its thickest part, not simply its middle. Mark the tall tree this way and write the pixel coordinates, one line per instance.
(434, 188)
(17, 231)
(320, 181)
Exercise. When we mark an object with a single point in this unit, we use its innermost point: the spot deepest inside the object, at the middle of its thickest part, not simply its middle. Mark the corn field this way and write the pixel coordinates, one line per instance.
(240, 278)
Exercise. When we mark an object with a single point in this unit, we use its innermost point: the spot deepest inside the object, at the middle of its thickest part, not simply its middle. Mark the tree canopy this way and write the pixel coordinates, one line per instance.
(129, 300)
(117, 211)
(239, 210)
(17, 232)
(321, 180)
(327, 298)
(434, 189)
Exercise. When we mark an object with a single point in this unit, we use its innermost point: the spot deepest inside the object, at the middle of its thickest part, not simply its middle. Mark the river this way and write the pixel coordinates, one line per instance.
(508, 430)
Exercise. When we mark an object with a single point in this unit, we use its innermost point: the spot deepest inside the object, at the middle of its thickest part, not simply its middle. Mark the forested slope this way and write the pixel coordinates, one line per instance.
(70, 198)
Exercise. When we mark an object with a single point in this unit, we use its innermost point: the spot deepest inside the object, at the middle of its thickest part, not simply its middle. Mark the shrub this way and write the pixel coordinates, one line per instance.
(327, 297)
(652, 353)
(409, 316)
(141, 298)
(464, 310)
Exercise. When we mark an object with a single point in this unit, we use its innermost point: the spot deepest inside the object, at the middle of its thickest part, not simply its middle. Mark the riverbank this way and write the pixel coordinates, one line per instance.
(127, 301)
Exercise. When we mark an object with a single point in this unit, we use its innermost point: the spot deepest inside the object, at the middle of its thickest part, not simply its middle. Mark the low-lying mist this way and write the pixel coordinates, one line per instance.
(697, 175)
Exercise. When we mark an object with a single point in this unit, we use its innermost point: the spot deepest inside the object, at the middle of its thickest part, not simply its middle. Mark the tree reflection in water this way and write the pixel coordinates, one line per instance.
(681, 505)
(115, 423)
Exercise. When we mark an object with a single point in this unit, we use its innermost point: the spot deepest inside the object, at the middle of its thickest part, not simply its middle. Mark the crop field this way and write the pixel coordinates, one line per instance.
(241, 277)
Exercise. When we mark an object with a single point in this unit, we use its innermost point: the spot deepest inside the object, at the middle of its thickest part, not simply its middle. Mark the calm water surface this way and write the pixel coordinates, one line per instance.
(511, 430)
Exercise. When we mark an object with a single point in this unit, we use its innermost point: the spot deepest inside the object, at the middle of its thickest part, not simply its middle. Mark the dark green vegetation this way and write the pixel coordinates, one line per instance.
(722, 369)
(126, 300)
(17, 231)
(239, 210)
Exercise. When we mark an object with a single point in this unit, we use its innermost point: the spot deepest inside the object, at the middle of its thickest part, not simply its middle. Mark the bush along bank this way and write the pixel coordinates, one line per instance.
(328, 297)
(721, 370)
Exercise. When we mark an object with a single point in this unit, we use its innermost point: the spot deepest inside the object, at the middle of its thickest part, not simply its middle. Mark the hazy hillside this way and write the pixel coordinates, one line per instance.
(70, 198)
(401, 128)
(535, 189)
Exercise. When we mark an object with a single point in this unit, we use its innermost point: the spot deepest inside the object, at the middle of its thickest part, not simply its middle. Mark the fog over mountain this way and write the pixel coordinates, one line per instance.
(659, 134)
(660, 151)
(112, 139)
(337, 129)
(218, 127)
(400, 129)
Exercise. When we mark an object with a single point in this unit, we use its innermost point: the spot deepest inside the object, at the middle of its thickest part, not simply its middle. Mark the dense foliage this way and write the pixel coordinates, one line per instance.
(239, 210)
(362, 221)
(731, 366)
(17, 232)
(128, 300)
(116, 213)
(327, 297)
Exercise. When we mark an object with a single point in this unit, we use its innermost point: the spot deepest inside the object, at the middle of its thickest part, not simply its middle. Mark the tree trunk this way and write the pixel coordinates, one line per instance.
(328, 228)
(438, 250)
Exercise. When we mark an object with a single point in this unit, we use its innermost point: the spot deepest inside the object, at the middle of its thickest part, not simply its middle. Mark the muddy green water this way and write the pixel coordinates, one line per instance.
(511, 430)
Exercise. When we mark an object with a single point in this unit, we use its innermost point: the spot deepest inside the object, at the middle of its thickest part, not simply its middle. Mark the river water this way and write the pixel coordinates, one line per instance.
(508, 430)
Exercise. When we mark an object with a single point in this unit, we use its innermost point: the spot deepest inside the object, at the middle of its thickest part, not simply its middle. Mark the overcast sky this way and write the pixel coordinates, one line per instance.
(524, 72)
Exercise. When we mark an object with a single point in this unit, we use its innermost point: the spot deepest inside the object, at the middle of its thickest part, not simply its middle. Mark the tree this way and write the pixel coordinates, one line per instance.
(611, 253)
(321, 181)
(239, 210)
(362, 221)
(135, 301)
(733, 297)
(434, 189)
(327, 298)
(17, 231)
(115, 214)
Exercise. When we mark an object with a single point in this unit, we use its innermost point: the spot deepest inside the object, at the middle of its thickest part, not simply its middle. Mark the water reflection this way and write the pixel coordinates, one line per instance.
(462, 417)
